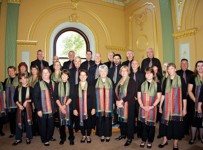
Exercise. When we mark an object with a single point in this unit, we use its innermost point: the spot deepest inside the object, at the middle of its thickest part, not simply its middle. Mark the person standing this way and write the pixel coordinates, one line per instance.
(70, 63)
(89, 62)
(130, 57)
(110, 62)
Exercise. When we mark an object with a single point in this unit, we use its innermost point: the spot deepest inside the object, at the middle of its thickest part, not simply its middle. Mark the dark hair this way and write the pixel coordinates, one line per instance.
(47, 69)
(184, 59)
(36, 67)
(11, 67)
(65, 71)
(39, 51)
(88, 51)
(171, 65)
(22, 64)
(149, 69)
(117, 55)
(83, 70)
(196, 72)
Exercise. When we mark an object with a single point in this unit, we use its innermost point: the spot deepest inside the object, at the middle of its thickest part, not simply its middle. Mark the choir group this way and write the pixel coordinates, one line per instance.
(96, 95)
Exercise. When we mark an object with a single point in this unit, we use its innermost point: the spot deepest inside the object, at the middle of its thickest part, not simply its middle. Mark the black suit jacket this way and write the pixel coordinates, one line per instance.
(189, 73)
(155, 61)
(126, 64)
(91, 74)
(84, 65)
(108, 64)
(111, 73)
(67, 64)
(72, 78)
(37, 63)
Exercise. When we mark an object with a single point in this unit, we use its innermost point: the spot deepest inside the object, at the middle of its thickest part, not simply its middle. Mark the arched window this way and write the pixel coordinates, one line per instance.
(70, 39)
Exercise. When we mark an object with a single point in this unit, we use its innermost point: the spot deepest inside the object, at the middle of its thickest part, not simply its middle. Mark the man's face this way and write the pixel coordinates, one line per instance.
(71, 56)
(88, 56)
(77, 62)
(150, 53)
(135, 64)
(40, 55)
(117, 60)
(184, 65)
(97, 58)
(11, 72)
(130, 55)
(110, 57)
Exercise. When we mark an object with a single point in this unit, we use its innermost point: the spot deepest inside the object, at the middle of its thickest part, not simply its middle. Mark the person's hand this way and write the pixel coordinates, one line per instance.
(21, 107)
(75, 112)
(25, 103)
(68, 101)
(39, 113)
(93, 111)
(184, 112)
(63, 109)
(160, 110)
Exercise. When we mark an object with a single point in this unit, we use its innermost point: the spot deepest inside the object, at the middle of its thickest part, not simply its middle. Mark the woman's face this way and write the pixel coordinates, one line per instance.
(45, 74)
(200, 67)
(171, 70)
(34, 71)
(24, 81)
(83, 76)
(124, 72)
(64, 77)
(149, 75)
(57, 66)
(103, 73)
(23, 69)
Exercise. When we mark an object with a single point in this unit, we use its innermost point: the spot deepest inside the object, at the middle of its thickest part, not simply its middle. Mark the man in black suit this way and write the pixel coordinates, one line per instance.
(94, 70)
(39, 62)
(110, 63)
(186, 74)
(115, 76)
(69, 64)
(89, 62)
(130, 57)
(56, 58)
(151, 61)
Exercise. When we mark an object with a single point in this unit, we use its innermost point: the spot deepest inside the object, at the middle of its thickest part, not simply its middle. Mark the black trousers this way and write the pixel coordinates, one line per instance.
(35, 126)
(127, 128)
(87, 127)
(12, 120)
(1, 124)
(46, 127)
(104, 126)
(62, 130)
(148, 133)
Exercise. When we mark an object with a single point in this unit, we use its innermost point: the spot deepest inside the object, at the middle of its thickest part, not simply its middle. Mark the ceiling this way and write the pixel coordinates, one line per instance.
(118, 2)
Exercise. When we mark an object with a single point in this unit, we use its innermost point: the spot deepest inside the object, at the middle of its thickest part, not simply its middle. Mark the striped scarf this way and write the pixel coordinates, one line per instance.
(32, 82)
(198, 85)
(28, 107)
(10, 90)
(121, 91)
(63, 97)
(82, 93)
(104, 97)
(56, 78)
(45, 97)
(148, 99)
(172, 109)
(2, 102)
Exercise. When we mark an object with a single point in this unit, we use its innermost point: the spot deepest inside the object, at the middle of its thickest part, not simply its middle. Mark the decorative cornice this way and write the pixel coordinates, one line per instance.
(185, 33)
(117, 48)
(26, 42)
(14, 1)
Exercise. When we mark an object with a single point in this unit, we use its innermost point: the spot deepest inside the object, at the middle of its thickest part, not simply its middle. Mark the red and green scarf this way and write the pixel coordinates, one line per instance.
(28, 107)
(104, 97)
(82, 95)
(63, 97)
(198, 85)
(45, 97)
(172, 109)
(56, 78)
(148, 99)
(2, 101)
(32, 82)
(10, 90)
(121, 92)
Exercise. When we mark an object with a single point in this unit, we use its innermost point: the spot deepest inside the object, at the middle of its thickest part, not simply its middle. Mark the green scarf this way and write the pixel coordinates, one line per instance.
(32, 82)
(1, 87)
(56, 78)
(61, 91)
(152, 90)
(14, 83)
(175, 83)
(107, 84)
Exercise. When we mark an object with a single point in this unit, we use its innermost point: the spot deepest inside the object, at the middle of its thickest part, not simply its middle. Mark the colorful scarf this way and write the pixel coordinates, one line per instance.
(172, 109)
(32, 82)
(45, 97)
(82, 93)
(28, 107)
(63, 97)
(55, 78)
(148, 99)
(121, 92)
(10, 90)
(198, 85)
(2, 101)
(104, 97)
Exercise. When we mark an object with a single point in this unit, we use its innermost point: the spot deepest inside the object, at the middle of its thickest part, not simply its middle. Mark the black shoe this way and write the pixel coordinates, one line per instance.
(89, 140)
(175, 148)
(107, 139)
(191, 142)
(128, 142)
(142, 145)
(162, 145)
(61, 142)
(46, 144)
(83, 139)
(2, 134)
(72, 142)
(52, 139)
(120, 138)
(102, 139)
(11, 136)
(28, 141)
(149, 145)
(17, 142)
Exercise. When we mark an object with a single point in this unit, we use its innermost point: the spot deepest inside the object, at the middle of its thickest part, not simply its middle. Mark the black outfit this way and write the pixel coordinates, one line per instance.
(67, 65)
(127, 128)
(28, 127)
(37, 63)
(91, 73)
(52, 68)
(91, 104)
(87, 64)
(47, 120)
(174, 129)
(109, 64)
(155, 61)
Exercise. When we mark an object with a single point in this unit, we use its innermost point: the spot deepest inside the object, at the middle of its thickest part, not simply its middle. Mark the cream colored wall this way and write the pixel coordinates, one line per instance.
(143, 27)
(190, 30)
(38, 19)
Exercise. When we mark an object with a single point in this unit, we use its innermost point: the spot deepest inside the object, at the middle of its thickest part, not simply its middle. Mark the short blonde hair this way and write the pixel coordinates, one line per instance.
(103, 67)
(124, 67)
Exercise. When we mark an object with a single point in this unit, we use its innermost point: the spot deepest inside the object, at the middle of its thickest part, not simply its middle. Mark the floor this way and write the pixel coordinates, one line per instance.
(6, 144)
